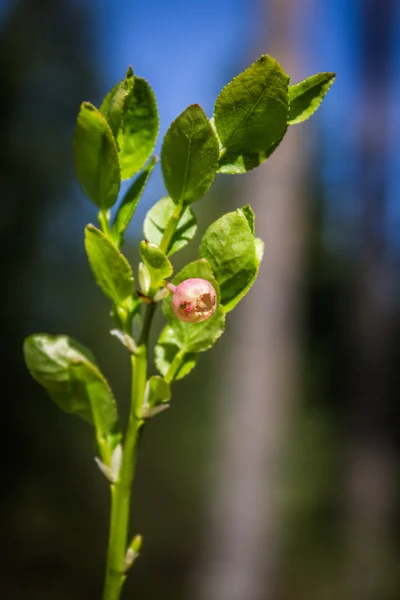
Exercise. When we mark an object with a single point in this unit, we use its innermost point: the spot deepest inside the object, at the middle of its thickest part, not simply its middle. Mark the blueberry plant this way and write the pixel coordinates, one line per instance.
(115, 142)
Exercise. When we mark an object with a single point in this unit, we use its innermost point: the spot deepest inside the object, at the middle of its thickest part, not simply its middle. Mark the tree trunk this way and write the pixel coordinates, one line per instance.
(258, 387)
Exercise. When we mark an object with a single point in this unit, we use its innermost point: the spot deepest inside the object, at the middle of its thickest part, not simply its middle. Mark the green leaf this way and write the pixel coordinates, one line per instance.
(68, 371)
(130, 201)
(139, 128)
(306, 96)
(157, 264)
(229, 246)
(157, 219)
(167, 351)
(110, 268)
(250, 113)
(249, 214)
(189, 156)
(196, 337)
(238, 162)
(96, 158)
(159, 391)
(113, 104)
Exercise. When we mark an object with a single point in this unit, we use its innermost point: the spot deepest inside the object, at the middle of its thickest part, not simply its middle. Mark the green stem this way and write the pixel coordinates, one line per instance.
(121, 490)
(104, 220)
(170, 229)
(174, 366)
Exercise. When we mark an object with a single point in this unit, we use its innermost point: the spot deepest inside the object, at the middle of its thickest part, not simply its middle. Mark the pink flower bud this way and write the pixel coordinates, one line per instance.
(194, 300)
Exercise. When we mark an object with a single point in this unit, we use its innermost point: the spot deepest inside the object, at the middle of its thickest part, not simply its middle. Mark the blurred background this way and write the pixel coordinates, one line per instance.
(275, 473)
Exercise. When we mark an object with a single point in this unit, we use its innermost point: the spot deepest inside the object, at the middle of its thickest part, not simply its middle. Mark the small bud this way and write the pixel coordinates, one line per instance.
(107, 472)
(125, 339)
(133, 552)
(116, 462)
(194, 300)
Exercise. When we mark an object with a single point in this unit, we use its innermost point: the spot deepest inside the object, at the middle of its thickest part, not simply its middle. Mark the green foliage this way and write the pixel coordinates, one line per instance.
(171, 361)
(129, 203)
(139, 128)
(112, 106)
(158, 265)
(189, 156)
(159, 391)
(250, 216)
(131, 111)
(188, 338)
(110, 268)
(229, 247)
(157, 219)
(306, 96)
(96, 158)
(68, 371)
(239, 162)
(250, 114)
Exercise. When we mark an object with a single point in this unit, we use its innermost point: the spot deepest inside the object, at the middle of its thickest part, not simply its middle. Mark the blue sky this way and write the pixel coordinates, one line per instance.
(188, 50)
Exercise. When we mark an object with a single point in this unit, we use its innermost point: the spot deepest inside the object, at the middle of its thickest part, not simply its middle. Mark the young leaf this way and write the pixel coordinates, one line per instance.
(189, 156)
(113, 104)
(201, 336)
(249, 214)
(157, 264)
(130, 201)
(229, 246)
(157, 219)
(144, 279)
(96, 158)
(110, 268)
(139, 128)
(159, 391)
(67, 370)
(306, 96)
(250, 113)
(168, 357)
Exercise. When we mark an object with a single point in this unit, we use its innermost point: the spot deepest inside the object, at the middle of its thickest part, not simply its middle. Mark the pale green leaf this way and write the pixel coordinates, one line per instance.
(157, 219)
(159, 391)
(166, 352)
(158, 265)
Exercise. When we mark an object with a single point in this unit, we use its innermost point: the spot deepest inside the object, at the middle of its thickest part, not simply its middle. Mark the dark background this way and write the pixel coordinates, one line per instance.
(248, 488)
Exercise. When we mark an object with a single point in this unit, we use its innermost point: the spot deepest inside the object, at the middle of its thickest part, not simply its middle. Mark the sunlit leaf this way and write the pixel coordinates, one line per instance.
(157, 263)
(250, 113)
(110, 268)
(306, 96)
(130, 201)
(68, 371)
(189, 156)
(229, 246)
(96, 158)
(139, 128)
(112, 106)
(157, 219)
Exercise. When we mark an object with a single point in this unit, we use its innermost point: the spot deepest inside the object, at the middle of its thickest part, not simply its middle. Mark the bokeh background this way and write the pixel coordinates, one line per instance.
(275, 473)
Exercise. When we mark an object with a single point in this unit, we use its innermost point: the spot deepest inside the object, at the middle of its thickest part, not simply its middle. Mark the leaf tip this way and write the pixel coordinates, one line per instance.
(88, 106)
